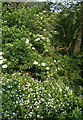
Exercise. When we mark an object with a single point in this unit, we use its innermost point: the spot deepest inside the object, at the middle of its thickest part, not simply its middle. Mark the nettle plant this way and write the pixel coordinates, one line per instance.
(25, 97)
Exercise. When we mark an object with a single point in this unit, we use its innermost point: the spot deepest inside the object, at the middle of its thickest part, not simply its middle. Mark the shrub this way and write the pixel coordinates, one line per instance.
(26, 97)
(34, 27)
(38, 80)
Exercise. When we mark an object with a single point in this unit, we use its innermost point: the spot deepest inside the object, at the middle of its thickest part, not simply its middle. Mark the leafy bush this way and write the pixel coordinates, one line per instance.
(28, 38)
(26, 97)
(38, 80)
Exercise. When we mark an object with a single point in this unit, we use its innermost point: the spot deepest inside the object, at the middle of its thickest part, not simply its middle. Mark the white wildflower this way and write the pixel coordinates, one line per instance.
(44, 29)
(42, 99)
(17, 102)
(1, 57)
(41, 17)
(1, 61)
(29, 95)
(35, 62)
(13, 113)
(33, 48)
(57, 85)
(37, 106)
(60, 89)
(4, 66)
(21, 103)
(41, 116)
(49, 95)
(38, 115)
(43, 37)
(54, 60)
(46, 50)
(27, 41)
(43, 64)
(58, 68)
(47, 68)
(19, 73)
(37, 39)
(71, 92)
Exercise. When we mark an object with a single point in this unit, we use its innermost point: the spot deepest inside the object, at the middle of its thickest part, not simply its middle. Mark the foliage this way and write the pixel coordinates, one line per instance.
(26, 97)
(43, 43)
(38, 63)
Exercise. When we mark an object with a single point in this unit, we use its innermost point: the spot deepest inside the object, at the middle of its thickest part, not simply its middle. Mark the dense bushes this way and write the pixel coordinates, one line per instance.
(39, 80)
(25, 97)
(34, 27)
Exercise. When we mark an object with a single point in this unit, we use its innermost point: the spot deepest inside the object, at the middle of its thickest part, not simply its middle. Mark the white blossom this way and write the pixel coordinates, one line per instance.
(71, 92)
(46, 50)
(54, 60)
(35, 62)
(14, 113)
(43, 64)
(58, 68)
(43, 37)
(37, 39)
(38, 115)
(1, 61)
(42, 99)
(33, 48)
(47, 68)
(19, 73)
(1, 57)
(41, 116)
(37, 106)
(41, 17)
(27, 41)
(44, 29)
(4, 66)
(17, 102)
(60, 89)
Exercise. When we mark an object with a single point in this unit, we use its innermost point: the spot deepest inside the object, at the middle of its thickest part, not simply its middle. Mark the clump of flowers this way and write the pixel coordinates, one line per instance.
(37, 97)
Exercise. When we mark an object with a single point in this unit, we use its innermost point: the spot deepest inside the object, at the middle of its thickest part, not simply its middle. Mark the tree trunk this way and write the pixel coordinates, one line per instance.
(78, 42)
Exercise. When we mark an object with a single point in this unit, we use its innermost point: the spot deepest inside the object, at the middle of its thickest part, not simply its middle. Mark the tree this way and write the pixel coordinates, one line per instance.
(79, 31)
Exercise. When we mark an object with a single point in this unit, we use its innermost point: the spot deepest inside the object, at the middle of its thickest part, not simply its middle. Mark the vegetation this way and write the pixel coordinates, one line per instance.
(42, 69)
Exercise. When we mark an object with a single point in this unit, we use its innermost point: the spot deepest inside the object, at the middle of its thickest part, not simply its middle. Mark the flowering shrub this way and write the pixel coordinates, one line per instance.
(26, 97)
(29, 44)
(37, 81)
